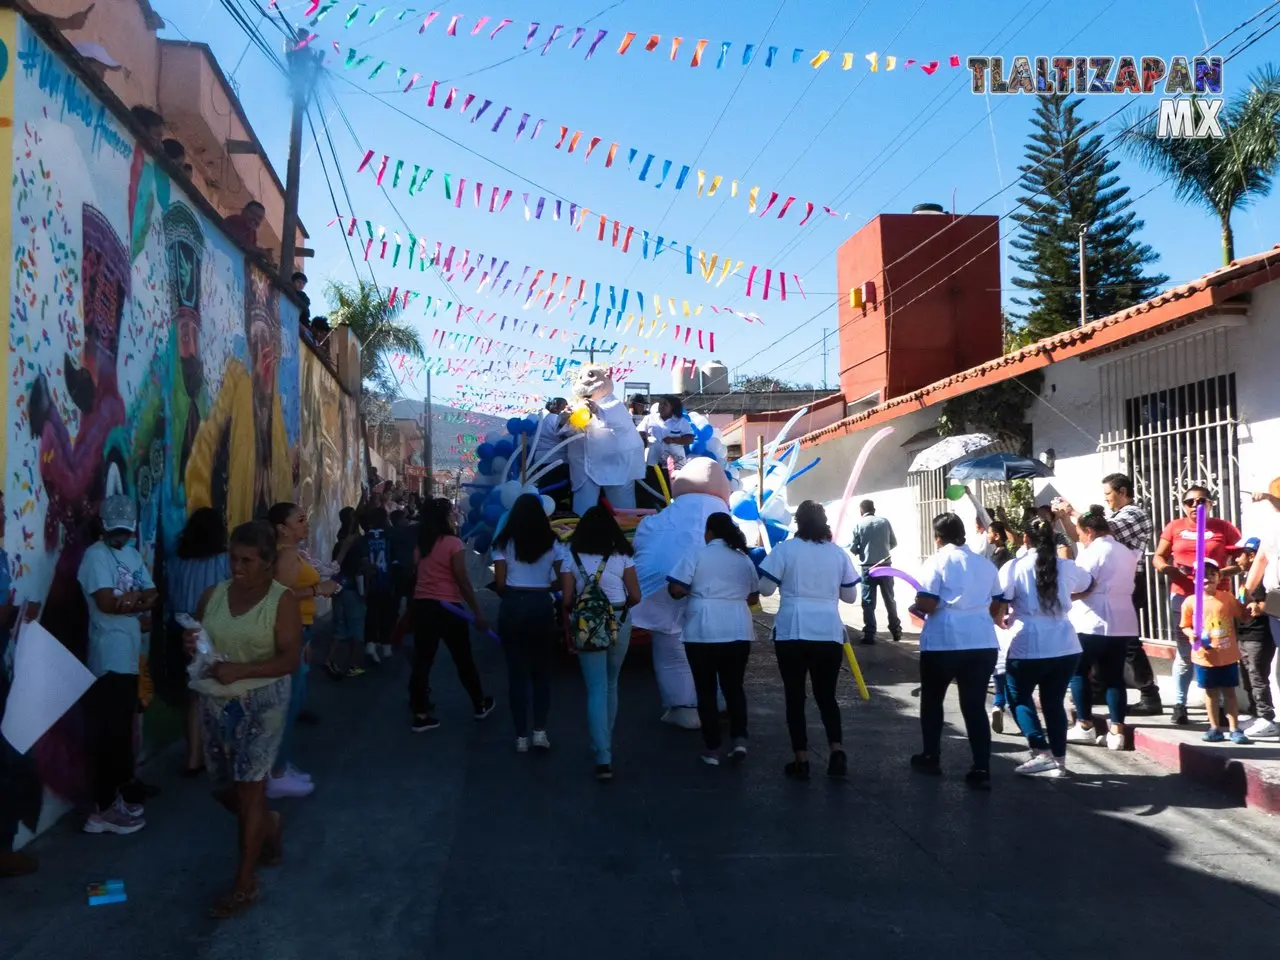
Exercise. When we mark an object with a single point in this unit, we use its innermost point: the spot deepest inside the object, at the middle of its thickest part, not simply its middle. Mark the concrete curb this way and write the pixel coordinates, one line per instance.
(1254, 782)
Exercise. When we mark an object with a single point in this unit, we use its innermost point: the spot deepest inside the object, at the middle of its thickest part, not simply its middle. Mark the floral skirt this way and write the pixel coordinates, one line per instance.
(242, 734)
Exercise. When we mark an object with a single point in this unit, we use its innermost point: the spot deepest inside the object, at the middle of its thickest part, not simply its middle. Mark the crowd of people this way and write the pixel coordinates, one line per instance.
(1051, 616)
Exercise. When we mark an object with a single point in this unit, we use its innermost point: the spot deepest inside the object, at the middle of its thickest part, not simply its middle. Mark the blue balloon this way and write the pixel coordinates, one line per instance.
(494, 496)
(503, 448)
(757, 555)
(514, 426)
(465, 532)
(485, 451)
(482, 543)
(777, 532)
(476, 498)
(531, 426)
(473, 515)
(492, 513)
(485, 468)
(747, 510)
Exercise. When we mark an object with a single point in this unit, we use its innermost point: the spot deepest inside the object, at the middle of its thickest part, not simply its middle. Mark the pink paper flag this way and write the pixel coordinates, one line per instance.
(457, 198)
(427, 22)
(782, 282)
(785, 207)
(479, 25)
(453, 24)
(595, 141)
(772, 197)
(412, 80)
(453, 92)
(431, 95)
(930, 68)
(479, 187)
(808, 212)
(751, 278)
(505, 199)
(382, 168)
(955, 60)
(768, 275)
(368, 158)
(712, 337)
(315, 5)
(796, 278)
(504, 22)
(466, 102)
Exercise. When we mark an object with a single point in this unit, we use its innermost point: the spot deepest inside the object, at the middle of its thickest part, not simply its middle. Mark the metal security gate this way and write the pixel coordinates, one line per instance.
(930, 488)
(1170, 414)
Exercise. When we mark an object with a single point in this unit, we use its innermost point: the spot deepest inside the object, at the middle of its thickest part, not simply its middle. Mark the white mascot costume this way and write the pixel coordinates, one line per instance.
(699, 489)
(611, 457)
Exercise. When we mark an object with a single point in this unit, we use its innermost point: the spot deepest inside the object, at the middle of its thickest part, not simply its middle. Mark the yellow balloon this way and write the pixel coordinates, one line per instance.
(580, 418)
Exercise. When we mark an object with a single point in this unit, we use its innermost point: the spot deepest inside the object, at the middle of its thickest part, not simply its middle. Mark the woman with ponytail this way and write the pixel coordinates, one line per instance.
(1039, 587)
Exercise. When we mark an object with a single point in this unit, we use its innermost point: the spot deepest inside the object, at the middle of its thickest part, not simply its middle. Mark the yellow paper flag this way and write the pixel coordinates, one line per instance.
(724, 273)
(751, 199)
(715, 185)
(686, 307)
(873, 58)
(672, 304)
(847, 64)
(657, 305)
(822, 57)
(702, 180)
(733, 189)
(698, 309)
(890, 62)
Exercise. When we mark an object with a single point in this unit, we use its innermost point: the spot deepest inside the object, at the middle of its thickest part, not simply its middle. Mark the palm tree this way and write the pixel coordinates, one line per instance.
(1222, 175)
(375, 323)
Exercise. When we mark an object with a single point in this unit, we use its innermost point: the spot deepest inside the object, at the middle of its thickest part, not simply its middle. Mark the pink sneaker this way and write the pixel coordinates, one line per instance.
(113, 821)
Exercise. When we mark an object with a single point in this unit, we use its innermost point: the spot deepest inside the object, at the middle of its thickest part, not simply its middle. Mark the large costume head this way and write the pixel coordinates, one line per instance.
(593, 382)
(701, 475)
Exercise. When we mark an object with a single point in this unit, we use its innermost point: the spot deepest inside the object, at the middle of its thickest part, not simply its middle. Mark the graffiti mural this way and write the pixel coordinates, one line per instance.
(145, 357)
(331, 468)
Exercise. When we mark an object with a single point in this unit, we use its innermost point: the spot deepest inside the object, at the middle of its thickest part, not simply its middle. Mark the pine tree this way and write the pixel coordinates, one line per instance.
(1070, 182)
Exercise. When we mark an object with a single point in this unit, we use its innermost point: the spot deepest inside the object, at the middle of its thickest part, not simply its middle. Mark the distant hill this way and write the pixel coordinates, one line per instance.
(447, 425)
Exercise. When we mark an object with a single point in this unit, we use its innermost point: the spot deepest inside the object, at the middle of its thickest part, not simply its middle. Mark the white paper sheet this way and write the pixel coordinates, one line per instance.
(47, 681)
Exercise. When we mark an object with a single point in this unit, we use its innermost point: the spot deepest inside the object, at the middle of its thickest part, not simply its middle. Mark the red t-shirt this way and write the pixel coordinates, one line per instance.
(1181, 533)
(435, 572)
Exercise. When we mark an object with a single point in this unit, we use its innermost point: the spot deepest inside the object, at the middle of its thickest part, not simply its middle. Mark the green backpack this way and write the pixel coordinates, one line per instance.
(593, 623)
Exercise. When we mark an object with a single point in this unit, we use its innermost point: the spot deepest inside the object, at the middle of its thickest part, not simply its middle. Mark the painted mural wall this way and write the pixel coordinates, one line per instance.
(145, 357)
(332, 465)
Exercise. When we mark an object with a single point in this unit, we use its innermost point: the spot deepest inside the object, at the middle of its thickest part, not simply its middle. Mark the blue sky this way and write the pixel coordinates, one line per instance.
(860, 142)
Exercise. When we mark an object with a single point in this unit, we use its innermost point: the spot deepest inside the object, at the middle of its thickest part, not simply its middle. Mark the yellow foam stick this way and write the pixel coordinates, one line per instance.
(662, 485)
(863, 692)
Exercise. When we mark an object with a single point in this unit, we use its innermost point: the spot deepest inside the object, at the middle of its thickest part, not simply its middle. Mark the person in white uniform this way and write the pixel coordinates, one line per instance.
(661, 542)
(1105, 622)
(721, 583)
(1040, 586)
(813, 575)
(549, 436)
(612, 456)
(960, 596)
(598, 550)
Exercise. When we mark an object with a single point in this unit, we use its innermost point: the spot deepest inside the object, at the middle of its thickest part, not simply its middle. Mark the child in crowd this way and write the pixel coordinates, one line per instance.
(1257, 648)
(1216, 655)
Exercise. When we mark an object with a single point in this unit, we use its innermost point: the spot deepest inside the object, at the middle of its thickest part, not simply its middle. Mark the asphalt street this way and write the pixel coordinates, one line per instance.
(450, 845)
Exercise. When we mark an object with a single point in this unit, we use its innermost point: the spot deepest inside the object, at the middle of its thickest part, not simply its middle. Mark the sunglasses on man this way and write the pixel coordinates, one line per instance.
(1196, 501)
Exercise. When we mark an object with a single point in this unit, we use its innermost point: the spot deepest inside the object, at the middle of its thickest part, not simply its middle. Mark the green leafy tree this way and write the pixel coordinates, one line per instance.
(1070, 183)
(377, 327)
(1220, 175)
(763, 383)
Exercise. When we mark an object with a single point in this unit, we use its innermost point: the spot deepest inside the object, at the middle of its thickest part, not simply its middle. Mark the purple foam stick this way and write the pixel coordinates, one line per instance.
(895, 572)
(466, 615)
(1198, 627)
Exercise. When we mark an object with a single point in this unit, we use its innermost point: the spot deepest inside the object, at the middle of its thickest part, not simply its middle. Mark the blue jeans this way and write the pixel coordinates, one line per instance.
(1183, 672)
(297, 700)
(870, 587)
(1108, 654)
(1051, 675)
(1000, 699)
(527, 626)
(600, 671)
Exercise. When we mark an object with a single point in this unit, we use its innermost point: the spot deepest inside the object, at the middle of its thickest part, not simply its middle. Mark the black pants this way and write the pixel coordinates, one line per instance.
(112, 704)
(970, 670)
(526, 624)
(431, 624)
(380, 617)
(722, 665)
(1255, 658)
(654, 500)
(1137, 666)
(1105, 657)
(819, 660)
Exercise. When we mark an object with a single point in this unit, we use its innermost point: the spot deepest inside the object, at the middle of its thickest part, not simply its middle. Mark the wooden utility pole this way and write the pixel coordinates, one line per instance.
(303, 65)
(591, 351)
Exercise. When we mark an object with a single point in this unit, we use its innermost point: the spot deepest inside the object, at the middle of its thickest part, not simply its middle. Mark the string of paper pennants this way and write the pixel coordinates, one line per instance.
(626, 236)
(514, 370)
(701, 52)
(650, 169)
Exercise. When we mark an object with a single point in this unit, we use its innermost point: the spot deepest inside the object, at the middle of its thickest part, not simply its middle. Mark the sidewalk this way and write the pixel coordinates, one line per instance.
(1248, 775)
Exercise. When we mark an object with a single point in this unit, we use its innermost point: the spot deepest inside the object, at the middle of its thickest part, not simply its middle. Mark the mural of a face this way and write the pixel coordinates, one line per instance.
(593, 382)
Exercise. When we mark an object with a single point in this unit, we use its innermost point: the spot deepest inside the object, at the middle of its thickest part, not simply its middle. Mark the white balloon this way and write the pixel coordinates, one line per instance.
(499, 468)
(738, 497)
(716, 447)
(529, 488)
(548, 504)
(508, 493)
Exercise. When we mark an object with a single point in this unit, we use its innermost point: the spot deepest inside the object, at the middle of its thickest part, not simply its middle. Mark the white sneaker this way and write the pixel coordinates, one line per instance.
(711, 758)
(684, 717)
(279, 788)
(387, 652)
(522, 744)
(371, 651)
(1058, 771)
(997, 720)
(134, 811)
(112, 820)
(291, 771)
(540, 740)
(1262, 727)
(1115, 741)
(1079, 734)
(1039, 763)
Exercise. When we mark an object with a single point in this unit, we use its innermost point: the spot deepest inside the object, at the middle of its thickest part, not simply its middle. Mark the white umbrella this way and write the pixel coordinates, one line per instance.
(949, 449)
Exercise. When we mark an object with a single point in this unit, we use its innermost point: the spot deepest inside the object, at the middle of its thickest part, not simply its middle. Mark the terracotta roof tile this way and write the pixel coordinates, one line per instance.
(1251, 271)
